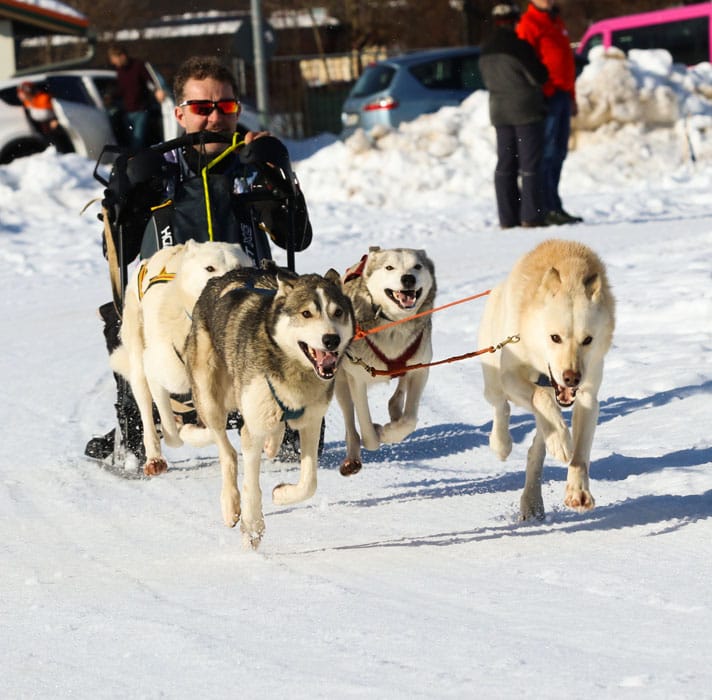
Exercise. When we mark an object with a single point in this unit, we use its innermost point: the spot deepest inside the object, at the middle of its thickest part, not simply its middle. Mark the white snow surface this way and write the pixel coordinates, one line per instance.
(413, 578)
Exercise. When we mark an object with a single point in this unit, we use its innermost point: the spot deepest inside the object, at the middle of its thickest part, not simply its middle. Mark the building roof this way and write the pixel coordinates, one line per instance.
(39, 17)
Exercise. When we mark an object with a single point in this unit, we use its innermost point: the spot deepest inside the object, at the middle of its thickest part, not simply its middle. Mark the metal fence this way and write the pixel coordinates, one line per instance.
(306, 92)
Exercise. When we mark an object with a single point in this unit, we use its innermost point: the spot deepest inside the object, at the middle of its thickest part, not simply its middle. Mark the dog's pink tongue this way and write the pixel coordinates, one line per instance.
(567, 395)
(325, 360)
(405, 299)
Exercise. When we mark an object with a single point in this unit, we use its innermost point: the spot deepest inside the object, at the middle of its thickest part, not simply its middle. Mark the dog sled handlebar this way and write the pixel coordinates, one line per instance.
(267, 153)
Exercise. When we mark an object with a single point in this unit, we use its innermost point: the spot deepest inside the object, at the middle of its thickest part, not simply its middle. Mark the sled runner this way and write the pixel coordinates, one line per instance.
(253, 201)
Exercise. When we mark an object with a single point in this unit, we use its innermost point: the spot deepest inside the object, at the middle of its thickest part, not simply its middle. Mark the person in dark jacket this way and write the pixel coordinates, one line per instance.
(135, 87)
(514, 77)
(172, 187)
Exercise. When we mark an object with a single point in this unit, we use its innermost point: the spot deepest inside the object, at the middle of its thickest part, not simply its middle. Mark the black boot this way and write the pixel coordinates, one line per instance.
(129, 422)
(129, 430)
(102, 446)
(290, 451)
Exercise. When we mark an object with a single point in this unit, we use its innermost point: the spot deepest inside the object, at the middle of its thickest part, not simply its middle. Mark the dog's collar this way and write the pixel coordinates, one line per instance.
(393, 365)
(543, 380)
(287, 413)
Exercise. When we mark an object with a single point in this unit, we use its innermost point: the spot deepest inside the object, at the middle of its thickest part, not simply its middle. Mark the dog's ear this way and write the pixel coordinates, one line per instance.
(333, 276)
(372, 252)
(552, 281)
(423, 254)
(592, 285)
(284, 285)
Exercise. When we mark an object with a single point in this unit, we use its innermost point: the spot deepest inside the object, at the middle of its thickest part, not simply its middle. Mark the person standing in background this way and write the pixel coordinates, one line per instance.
(135, 86)
(514, 77)
(542, 26)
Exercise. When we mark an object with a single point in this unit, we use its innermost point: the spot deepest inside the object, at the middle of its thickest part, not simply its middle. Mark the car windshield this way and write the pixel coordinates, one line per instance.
(374, 79)
(455, 73)
(68, 87)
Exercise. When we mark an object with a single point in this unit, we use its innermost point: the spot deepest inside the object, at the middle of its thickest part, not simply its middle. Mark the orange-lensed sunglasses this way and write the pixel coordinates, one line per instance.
(204, 108)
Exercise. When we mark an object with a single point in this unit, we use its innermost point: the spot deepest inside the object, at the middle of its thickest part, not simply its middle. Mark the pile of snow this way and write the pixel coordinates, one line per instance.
(654, 114)
(646, 88)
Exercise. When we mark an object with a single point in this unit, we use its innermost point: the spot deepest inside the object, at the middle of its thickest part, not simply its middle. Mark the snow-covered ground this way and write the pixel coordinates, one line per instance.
(414, 577)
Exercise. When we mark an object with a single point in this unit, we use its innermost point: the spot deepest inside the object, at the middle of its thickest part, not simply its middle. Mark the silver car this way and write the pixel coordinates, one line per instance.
(402, 88)
(83, 101)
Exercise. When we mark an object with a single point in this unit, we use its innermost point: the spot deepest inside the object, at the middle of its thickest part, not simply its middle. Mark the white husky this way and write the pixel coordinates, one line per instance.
(557, 299)
(388, 285)
(156, 321)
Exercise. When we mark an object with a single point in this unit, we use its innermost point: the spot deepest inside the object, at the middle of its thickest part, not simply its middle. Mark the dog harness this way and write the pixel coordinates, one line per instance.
(161, 278)
(398, 363)
(355, 270)
(287, 413)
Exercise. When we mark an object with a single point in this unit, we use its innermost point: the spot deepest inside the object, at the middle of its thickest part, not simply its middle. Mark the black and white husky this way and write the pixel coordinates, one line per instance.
(269, 343)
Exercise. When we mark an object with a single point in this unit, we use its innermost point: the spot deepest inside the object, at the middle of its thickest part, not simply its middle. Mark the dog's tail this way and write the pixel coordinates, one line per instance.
(119, 361)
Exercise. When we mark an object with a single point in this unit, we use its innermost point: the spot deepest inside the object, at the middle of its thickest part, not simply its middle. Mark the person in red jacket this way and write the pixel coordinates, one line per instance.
(544, 29)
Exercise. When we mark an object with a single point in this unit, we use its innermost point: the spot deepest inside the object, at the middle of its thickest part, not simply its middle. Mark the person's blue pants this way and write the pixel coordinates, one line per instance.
(557, 128)
(138, 128)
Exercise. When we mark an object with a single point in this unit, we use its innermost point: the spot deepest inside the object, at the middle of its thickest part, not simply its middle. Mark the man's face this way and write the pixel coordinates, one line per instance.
(543, 4)
(118, 59)
(213, 90)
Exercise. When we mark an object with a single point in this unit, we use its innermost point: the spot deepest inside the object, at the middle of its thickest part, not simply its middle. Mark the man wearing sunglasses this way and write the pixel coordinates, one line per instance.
(193, 191)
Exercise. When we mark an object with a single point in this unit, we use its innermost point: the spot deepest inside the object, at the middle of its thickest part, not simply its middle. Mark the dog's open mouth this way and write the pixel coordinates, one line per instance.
(565, 395)
(405, 298)
(324, 362)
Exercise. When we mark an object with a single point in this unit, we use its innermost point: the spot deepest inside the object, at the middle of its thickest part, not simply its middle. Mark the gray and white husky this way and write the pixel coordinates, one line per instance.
(269, 343)
(387, 285)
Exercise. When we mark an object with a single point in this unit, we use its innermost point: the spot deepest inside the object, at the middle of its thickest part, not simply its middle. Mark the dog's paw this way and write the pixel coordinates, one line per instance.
(155, 466)
(350, 467)
(370, 438)
(397, 431)
(230, 502)
(252, 533)
(579, 500)
(500, 443)
(559, 445)
(286, 494)
(531, 506)
(578, 497)
(195, 436)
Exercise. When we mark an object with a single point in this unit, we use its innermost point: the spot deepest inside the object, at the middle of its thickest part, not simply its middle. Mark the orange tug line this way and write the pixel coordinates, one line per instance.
(361, 334)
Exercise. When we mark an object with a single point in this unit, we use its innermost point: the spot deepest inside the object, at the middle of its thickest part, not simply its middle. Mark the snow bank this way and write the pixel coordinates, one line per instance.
(652, 113)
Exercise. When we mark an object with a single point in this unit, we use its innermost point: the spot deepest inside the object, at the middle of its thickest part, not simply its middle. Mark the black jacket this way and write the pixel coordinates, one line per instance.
(514, 77)
(155, 200)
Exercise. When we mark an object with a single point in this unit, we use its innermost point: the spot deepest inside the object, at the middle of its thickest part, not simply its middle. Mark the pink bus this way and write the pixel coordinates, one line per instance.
(684, 31)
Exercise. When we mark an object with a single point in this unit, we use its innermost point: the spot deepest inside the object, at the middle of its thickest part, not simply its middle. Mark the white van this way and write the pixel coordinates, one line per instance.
(82, 101)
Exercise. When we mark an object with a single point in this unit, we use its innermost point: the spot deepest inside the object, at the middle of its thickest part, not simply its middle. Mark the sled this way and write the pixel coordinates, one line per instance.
(136, 182)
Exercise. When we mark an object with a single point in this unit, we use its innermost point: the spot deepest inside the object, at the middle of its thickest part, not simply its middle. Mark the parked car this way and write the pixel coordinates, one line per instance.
(84, 103)
(402, 88)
